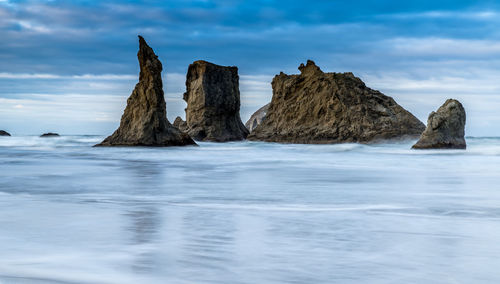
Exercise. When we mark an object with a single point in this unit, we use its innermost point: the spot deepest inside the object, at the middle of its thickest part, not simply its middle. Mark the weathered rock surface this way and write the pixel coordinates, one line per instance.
(4, 133)
(317, 107)
(257, 118)
(144, 121)
(49, 134)
(213, 103)
(181, 124)
(445, 128)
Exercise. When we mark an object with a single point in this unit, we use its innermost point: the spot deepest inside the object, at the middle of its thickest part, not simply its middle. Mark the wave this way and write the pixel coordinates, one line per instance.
(476, 146)
(49, 142)
(289, 207)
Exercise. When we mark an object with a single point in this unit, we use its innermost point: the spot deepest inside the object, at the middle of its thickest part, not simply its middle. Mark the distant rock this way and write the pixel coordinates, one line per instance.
(213, 103)
(317, 107)
(445, 128)
(49, 134)
(257, 118)
(181, 124)
(4, 133)
(144, 121)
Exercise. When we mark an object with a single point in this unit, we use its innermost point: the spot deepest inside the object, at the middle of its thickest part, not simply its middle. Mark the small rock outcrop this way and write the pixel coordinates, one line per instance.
(144, 121)
(213, 103)
(317, 108)
(49, 134)
(4, 133)
(445, 128)
(257, 118)
(181, 124)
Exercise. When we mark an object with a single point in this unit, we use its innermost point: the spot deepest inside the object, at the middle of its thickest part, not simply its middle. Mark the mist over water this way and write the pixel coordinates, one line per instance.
(248, 212)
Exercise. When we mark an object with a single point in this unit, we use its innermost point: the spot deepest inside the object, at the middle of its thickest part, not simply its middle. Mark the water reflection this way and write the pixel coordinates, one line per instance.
(144, 226)
(208, 249)
(144, 217)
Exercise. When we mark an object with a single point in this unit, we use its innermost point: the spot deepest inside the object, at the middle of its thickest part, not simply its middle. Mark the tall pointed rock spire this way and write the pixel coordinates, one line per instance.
(144, 121)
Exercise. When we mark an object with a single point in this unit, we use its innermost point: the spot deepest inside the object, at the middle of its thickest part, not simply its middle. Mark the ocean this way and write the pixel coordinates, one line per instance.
(248, 212)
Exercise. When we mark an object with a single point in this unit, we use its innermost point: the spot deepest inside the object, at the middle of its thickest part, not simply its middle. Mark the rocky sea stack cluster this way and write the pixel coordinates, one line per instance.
(319, 108)
(312, 107)
(445, 128)
(213, 103)
(144, 121)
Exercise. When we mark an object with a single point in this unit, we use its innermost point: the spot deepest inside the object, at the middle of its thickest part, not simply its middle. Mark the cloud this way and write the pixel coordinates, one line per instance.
(5, 75)
(98, 37)
(70, 114)
(420, 52)
(485, 85)
(444, 47)
(468, 15)
(34, 27)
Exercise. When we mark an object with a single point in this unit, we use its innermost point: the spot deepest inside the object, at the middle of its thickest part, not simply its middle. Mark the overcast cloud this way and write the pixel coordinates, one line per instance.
(69, 66)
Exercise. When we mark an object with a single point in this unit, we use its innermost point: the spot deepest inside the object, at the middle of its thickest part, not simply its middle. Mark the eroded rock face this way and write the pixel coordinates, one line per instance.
(144, 121)
(213, 103)
(257, 118)
(4, 133)
(49, 134)
(445, 128)
(317, 107)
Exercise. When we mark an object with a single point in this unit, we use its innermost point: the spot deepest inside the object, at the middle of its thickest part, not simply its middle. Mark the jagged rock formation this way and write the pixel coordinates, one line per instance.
(213, 103)
(317, 107)
(257, 118)
(49, 134)
(445, 128)
(181, 124)
(4, 133)
(144, 121)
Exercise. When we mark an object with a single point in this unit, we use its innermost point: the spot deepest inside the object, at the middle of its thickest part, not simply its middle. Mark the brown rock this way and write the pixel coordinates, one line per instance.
(316, 107)
(257, 118)
(181, 124)
(144, 121)
(213, 103)
(445, 128)
(4, 133)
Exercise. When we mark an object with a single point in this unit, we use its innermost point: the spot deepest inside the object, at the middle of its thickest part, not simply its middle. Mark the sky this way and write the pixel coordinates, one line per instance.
(69, 66)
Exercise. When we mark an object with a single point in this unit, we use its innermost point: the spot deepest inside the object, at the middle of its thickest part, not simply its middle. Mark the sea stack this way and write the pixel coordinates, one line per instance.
(445, 128)
(257, 118)
(144, 121)
(318, 108)
(4, 133)
(213, 103)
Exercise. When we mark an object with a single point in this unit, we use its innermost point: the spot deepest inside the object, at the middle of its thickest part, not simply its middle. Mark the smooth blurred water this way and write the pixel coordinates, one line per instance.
(248, 213)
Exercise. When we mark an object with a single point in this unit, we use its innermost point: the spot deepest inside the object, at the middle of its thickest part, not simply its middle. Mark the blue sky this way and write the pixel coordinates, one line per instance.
(68, 66)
